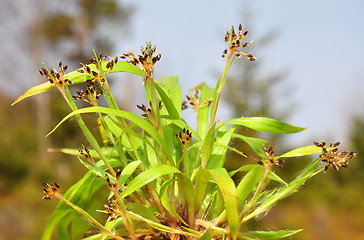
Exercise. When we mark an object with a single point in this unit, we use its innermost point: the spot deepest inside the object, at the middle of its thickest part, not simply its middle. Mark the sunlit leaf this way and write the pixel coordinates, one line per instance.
(265, 125)
(76, 77)
(148, 176)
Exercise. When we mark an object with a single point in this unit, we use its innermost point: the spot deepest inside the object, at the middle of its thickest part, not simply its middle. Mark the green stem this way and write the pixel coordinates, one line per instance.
(127, 220)
(90, 138)
(257, 191)
(221, 86)
(89, 217)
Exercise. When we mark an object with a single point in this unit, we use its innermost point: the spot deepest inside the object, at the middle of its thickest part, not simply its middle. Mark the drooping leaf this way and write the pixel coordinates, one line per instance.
(265, 125)
(76, 77)
(302, 151)
(256, 144)
(148, 176)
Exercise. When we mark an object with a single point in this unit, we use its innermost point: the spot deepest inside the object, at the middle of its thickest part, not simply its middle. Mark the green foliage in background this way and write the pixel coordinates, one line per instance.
(160, 178)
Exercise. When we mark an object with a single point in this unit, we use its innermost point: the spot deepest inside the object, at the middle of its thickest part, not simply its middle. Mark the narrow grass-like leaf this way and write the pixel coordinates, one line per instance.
(189, 193)
(248, 183)
(256, 144)
(147, 177)
(202, 181)
(165, 200)
(206, 149)
(228, 191)
(161, 227)
(182, 124)
(218, 154)
(265, 125)
(144, 211)
(302, 151)
(203, 110)
(207, 235)
(110, 152)
(77, 77)
(275, 177)
(128, 171)
(170, 92)
(269, 235)
(79, 192)
(285, 191)
(140, 122)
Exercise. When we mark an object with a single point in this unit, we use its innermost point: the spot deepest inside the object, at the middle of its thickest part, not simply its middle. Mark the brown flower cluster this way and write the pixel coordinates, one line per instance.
(184, 136)
(332, 157)
(99, 75)
(86, 154)
(148, 111)
(55, 77)
(192, 101)
(91, 95)
(145, 61)
(270, 158)
(235, 42)
(113, 210)
(50, 191)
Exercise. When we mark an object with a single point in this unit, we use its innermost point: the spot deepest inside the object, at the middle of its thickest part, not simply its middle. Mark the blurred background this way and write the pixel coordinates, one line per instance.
(309, 73)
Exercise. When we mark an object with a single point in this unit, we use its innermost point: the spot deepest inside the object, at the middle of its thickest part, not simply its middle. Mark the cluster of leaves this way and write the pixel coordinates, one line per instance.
(165, 180)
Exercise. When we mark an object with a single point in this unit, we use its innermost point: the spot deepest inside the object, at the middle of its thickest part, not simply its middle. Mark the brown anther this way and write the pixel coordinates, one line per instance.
(332, 157)
(50, 191)
(145, 61)
(235, 42)
(184, 136)
(270, 158)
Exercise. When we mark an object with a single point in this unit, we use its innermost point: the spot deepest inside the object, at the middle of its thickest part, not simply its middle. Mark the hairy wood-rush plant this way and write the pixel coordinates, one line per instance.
(163, 179)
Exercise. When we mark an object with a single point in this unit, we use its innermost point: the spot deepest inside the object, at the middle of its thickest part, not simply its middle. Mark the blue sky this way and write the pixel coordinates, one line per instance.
(318, 42)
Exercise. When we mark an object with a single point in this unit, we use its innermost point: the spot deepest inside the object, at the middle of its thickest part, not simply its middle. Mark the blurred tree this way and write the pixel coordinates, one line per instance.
(33, 32)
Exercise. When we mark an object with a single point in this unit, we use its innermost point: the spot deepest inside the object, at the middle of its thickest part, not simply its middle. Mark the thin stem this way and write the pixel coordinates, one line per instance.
(127, 221)
(221, 86)
(89, 217)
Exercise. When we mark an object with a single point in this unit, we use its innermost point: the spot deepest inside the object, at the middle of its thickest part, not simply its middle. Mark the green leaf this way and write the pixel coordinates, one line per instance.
(207, 235)
(248, 183)
(203, 110)
(140, 122)
(147, 177)
(256, 144)
(228, 191)
(78, 194)
(128, 171)
(219, 153)
(170, 92)
(181, 124)
(275, 177)
(77, 77)
(144, 211)
(307, 173)
(189, 193)
(266, 125)
(202, 181)
(207, 146)
(165, 200)
(302, 151)
(269, 235)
